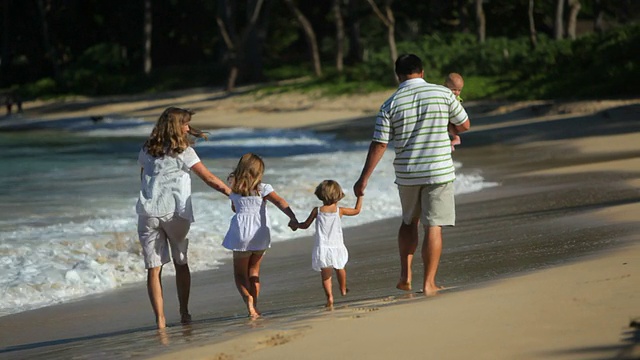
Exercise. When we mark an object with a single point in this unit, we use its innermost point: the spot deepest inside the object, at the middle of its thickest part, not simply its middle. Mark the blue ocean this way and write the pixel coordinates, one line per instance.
(68, 191)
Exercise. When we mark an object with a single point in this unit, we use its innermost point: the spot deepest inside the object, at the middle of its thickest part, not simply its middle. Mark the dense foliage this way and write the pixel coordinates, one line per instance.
(93, 47)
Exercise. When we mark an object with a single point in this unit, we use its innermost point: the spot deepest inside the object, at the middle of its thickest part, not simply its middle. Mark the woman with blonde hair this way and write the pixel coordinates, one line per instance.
(164, 205)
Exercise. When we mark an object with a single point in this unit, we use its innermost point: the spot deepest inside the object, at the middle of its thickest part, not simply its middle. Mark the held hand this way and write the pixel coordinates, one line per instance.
(455, 141)
(358, 188)
(293, 224)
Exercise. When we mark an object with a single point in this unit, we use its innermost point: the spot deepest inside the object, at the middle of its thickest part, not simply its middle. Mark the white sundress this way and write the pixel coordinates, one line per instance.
(250, 229)
(329, 250)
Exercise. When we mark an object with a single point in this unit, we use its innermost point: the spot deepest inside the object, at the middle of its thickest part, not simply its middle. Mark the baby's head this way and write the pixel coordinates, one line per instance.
(329, 192)
(455, 83)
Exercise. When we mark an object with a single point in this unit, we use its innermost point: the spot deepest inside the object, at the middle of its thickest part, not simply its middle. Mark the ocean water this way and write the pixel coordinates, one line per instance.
(68, 191)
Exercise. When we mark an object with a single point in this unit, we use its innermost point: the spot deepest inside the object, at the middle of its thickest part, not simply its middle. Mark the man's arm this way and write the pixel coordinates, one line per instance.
(457, 129)
(376, 151)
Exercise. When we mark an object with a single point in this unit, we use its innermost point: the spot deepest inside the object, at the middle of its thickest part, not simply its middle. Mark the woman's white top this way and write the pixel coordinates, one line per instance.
(329, 250)
(166, 184)
(250, 229)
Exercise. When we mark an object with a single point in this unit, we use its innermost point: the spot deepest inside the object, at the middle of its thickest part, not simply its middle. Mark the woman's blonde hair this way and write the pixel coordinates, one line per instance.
(329, 192)
(167, 135)
(247, 175)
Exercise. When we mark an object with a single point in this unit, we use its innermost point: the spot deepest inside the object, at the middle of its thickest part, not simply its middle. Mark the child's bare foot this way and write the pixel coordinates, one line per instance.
(431, 290)
(161, 322)
(403, 285)
(163, 337)
(329, 302)
(253, 313)
(185, 319)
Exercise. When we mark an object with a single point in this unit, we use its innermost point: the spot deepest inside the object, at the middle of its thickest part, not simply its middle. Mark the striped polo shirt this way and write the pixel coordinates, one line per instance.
(415, 119)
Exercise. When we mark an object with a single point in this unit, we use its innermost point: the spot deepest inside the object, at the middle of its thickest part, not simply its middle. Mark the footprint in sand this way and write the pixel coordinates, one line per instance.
(222, 356)
(277, 339)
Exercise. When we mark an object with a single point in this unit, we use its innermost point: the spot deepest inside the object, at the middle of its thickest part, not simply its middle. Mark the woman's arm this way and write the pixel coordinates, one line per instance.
(307, 223)
(210, 179)
(354, 211)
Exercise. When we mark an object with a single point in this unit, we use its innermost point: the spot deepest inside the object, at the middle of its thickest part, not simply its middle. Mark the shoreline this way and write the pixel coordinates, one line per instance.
(566, 205)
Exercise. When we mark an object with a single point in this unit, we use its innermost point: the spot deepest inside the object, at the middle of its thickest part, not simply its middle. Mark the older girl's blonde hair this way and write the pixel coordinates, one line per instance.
(167, 135)
(247, 175)
(329, 192)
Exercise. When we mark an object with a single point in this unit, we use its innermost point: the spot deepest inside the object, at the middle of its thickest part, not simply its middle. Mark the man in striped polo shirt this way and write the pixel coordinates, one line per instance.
(418, 119)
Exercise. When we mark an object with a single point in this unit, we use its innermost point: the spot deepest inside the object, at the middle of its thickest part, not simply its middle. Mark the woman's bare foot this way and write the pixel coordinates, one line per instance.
(403, 285)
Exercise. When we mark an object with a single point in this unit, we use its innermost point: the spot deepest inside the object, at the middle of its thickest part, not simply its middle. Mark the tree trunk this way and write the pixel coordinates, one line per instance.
(598, 22)
(310, 35)
(574, 9)
(355, 52)
(147, 37)
(482, 22)
(225, 19)
(255, 43)
(46, 42)
(533, 36)
(389, 21)
(337, 14)
(558, 27)
(463, 15)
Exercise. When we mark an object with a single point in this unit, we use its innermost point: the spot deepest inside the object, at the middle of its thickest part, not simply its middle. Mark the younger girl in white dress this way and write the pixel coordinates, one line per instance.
(249, 234)
(329, 252)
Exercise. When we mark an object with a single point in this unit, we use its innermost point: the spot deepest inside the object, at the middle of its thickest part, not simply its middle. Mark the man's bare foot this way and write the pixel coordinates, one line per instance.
(185, 319)
(404, 285)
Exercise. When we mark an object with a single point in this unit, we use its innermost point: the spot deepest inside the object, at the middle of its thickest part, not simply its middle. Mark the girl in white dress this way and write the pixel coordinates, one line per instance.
(329, 252)
(249, 234)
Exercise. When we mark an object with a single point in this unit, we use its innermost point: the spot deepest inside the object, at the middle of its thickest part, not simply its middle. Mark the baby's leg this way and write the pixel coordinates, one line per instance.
(342, 281)
(326, 284)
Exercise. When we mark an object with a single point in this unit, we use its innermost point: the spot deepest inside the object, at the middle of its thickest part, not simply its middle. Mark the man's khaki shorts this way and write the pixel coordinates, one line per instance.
(159, 234)
(433, 204)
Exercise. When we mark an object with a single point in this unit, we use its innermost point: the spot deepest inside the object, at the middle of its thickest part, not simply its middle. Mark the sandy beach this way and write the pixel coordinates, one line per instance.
(559, 281)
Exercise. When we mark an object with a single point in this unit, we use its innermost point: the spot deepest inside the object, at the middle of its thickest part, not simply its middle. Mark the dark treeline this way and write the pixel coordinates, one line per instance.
(99, 47)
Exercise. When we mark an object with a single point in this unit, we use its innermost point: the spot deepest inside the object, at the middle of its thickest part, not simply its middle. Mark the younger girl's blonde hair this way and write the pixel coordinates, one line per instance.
(329, 192)
(167, 135)
(247, 175)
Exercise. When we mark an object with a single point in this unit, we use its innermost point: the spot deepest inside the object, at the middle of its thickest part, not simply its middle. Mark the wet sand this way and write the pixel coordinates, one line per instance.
(546, 265)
